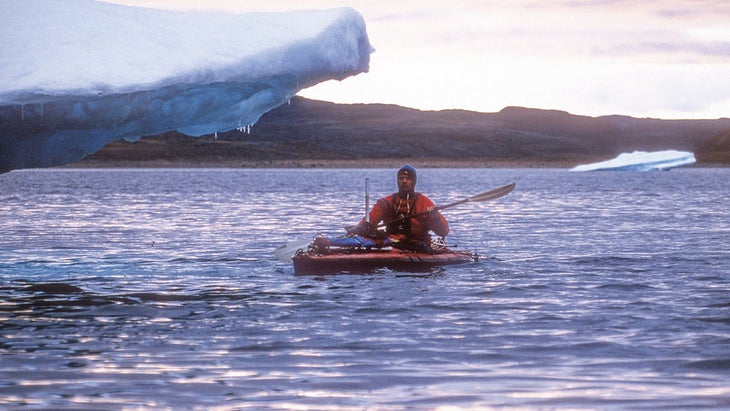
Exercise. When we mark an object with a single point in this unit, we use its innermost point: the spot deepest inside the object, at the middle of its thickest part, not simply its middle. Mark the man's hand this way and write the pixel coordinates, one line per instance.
(362, 229)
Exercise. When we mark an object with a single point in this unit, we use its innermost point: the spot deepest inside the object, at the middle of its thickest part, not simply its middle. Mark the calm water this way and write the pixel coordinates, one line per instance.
(160, 289)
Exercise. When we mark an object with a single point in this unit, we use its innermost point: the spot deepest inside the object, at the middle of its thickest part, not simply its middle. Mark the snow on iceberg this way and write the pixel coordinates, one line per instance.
(77, 75)
(642, 161)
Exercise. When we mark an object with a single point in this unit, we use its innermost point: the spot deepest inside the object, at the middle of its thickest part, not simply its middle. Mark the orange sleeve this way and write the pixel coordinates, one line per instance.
(380, 211)
(434, 221)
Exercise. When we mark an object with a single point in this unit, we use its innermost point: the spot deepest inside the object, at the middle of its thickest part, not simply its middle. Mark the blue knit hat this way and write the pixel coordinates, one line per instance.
(408, 169)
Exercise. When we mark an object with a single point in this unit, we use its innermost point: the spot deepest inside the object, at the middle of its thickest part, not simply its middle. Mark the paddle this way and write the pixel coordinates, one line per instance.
(486, 196)
(286, 251)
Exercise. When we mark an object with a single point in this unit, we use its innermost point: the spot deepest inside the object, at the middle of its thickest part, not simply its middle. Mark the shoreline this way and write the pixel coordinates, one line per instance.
(342, 164)
(379, 163)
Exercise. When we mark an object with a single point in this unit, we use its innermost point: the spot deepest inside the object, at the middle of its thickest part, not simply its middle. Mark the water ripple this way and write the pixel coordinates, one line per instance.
(159, 289)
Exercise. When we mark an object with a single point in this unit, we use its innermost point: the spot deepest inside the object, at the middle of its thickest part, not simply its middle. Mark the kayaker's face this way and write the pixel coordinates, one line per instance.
(405, 183)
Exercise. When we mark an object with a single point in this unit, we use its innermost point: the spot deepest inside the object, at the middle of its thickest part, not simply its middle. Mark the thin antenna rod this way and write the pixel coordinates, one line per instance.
(367, 201)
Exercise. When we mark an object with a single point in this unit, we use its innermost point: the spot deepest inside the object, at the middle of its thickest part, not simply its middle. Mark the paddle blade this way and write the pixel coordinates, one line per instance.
(287, 251)
(493, 194)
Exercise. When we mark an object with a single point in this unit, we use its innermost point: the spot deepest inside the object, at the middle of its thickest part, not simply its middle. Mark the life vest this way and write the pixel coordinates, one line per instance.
(392, 207)
(399, 208)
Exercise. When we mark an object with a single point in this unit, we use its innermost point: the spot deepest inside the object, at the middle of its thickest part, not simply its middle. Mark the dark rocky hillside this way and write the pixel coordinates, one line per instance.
(307, 131)
(715, 150)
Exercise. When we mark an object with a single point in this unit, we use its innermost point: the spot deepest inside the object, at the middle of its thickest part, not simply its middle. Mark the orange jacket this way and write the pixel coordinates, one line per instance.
(393, 206)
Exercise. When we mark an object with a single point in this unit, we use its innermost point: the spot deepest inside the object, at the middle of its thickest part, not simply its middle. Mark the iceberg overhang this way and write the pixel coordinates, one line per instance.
(642, 161)
(117, 72)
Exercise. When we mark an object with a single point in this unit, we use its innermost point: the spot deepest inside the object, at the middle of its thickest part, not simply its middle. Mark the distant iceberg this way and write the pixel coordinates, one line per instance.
(78, 74)
(642, 161)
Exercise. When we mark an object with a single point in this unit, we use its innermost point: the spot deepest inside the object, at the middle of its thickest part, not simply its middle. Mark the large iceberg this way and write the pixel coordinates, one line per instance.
(642, 161)
(78, 74)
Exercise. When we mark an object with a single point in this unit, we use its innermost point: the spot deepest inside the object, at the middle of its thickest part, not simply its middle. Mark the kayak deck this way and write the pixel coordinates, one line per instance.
(364, 260)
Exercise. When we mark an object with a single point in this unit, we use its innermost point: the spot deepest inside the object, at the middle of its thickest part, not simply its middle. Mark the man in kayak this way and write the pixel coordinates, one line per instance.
(406, 233)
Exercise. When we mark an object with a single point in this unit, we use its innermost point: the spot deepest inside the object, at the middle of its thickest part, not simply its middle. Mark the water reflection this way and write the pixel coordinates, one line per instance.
(132, 289)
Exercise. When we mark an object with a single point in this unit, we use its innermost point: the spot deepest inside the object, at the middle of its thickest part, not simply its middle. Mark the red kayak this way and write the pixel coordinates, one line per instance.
(334, 260)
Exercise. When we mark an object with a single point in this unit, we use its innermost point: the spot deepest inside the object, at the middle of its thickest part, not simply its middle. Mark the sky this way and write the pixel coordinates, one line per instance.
(651, 58)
